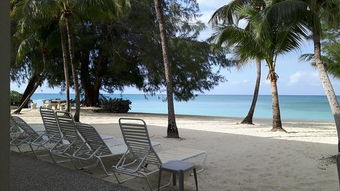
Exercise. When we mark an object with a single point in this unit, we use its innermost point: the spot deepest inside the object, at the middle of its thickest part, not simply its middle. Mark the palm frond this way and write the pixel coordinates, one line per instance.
(307, 57)
(288, 12)
(330, 12)
(26, 46)
(228, 14)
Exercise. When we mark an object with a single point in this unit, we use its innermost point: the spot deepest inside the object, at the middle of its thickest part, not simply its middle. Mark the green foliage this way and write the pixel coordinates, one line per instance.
(128, 53)
(30, 38)
(192, 64)
(331, 49)
(15, 97)
(265, 36)
(116, 105)
(115, 52)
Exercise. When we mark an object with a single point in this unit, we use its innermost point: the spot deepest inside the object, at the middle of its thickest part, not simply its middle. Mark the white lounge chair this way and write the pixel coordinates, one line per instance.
(97, 147)
(14, 130)
(145, 161)
(52, 136)
(21, 133)
(71, 140)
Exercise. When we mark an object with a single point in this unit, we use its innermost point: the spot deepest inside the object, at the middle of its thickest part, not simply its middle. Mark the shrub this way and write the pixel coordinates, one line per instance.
(15, 98)
(116, 105)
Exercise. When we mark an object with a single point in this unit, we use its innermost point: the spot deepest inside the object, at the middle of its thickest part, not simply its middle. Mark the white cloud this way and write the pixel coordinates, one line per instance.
(315, 74)
(310, 78)
(295, 78)
(239, 82)
(206, 15)
(212, 4)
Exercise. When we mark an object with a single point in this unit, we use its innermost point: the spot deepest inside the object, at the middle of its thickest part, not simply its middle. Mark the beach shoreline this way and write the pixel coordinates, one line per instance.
(293, 107)
(240, 157)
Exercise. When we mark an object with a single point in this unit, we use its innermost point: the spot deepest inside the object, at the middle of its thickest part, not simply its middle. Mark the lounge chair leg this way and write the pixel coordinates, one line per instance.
(174, 178)
(53, 159)
(34, 152)
(117, 178)
(195, 176)
(31, 148)
(181, 181)
(18, 148)
(159, 178)
(104, 168)
(149, 184)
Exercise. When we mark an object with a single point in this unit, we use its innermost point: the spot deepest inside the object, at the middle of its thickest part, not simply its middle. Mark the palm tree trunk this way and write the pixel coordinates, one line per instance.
(172, 131)
(85, 79)
(277, 124)
(326, 83)
(27, 98)
(74, 72)
(31, 84)
(249, 118)
(66, 64)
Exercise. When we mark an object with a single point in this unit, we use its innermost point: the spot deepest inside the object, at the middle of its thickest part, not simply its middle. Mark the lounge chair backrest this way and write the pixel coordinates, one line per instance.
(137, 139)
(13, 126)
(92, 138)
(67, 126)
(24, 126)
(50, 122)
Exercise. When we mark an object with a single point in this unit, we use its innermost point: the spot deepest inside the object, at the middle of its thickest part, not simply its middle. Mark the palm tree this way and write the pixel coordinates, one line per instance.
(264, 37)
(66, 61)
(172, 131)
(325, 10)
(228, 15)
(249, 118)
(312, 13)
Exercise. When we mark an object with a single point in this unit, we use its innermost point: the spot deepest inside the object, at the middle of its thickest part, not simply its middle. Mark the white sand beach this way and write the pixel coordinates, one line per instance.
(240, 157)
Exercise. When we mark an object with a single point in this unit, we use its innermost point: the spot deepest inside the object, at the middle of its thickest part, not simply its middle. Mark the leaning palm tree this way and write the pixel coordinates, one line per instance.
(249, 117)
(311, 13)
(329, 11)
(48, 11)
(40, 77)
(264, 37)
(228, 14)
(34, 37)
(172, 131)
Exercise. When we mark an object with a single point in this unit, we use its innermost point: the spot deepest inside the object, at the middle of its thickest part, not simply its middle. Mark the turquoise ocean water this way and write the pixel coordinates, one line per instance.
(301, 107)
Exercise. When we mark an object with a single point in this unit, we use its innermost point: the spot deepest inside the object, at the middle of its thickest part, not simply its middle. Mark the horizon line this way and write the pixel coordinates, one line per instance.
(201, 94)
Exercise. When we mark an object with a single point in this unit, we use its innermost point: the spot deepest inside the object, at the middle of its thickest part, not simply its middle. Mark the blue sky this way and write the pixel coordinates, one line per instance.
(295, 77)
